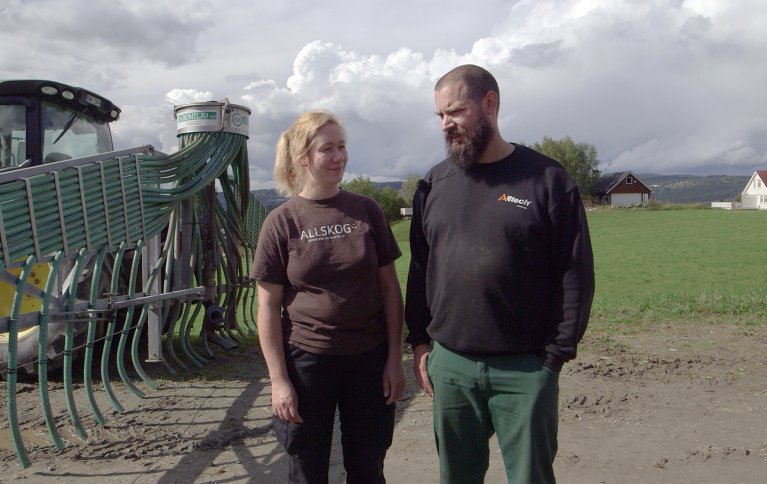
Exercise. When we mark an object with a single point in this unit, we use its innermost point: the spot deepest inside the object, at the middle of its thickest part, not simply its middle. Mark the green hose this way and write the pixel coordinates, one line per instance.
(18, 443)
(127, 323)
(71, 290)
(88, 364)
(187, 321)
(170, 248)
(247, 299)
(140, 326)
(82, 196)
(184, 337)
(42, 352)
(113, 288)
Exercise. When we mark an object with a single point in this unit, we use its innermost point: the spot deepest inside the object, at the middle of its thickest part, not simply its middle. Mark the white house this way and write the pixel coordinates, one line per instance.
(754, 196)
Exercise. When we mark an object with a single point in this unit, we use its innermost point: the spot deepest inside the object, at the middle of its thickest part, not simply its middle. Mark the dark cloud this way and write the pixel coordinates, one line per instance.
(160, 31)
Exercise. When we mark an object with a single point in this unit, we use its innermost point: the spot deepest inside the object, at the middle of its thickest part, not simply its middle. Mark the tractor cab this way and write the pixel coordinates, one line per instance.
(45, 121)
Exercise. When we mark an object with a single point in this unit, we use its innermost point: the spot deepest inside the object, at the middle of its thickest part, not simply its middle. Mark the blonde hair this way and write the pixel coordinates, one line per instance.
(293, 145)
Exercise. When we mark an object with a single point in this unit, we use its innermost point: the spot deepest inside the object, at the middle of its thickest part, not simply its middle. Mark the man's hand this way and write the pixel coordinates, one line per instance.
(420, 355)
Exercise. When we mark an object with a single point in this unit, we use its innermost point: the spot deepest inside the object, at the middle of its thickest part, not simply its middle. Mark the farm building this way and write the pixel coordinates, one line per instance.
(754, 196)
(622, 190)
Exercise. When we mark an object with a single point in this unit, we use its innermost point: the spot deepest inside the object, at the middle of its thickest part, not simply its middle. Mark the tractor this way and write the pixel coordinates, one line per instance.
(132, 247)
(43, 122)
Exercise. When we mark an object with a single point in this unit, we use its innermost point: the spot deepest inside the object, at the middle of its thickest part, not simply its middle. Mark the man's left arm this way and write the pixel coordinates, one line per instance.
(574, 289)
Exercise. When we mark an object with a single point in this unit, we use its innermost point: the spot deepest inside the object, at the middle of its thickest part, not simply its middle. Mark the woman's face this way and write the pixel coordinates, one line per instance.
(326, 159)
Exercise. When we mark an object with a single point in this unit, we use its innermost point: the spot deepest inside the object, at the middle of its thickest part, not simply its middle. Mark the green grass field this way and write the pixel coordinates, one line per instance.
(655, 266)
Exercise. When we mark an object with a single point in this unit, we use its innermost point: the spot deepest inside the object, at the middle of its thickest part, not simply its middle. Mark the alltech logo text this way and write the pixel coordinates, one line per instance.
(519, 202)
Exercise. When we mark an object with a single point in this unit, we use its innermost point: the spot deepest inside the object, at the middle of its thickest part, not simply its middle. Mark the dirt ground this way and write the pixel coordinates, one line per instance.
(681, 404)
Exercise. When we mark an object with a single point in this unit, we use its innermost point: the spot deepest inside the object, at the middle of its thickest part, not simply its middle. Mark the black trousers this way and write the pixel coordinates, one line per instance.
(353, 384)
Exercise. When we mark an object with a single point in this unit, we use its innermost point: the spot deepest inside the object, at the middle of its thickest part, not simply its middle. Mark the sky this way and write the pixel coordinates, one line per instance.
(667, 87)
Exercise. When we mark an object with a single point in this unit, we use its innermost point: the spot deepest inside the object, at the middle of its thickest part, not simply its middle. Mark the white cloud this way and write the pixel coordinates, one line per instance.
(177, 97)
(661, 85)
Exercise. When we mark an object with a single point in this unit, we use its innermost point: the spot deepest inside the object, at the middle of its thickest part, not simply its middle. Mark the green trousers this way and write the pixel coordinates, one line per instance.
(514, 397)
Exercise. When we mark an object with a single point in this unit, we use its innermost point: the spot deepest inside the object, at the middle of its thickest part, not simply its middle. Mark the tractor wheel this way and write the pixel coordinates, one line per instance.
(26, 350)
(27, 346)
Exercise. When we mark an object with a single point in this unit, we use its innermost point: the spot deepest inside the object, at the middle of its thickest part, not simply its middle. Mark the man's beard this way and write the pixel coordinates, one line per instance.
(476, 139)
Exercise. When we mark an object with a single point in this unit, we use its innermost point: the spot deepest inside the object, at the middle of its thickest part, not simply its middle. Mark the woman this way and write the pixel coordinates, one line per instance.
(329, 309)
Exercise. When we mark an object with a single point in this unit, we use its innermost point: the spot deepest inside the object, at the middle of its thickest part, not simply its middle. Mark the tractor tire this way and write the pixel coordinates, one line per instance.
(27, 346)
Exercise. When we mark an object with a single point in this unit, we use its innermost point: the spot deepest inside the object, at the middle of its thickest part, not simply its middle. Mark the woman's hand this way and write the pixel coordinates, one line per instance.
(393, 375)
(393, 380)
(284, 399)
(285, 402)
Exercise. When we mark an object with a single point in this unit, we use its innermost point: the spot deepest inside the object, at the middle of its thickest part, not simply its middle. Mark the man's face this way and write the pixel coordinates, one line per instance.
(465, 125)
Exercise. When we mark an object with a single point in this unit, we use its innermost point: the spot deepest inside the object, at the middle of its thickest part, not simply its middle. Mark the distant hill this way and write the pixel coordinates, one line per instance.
(666, 188)
(269, 197)
(694, 189)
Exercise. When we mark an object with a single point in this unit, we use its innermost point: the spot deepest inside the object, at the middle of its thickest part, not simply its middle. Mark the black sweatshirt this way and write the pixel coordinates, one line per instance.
(501, 259)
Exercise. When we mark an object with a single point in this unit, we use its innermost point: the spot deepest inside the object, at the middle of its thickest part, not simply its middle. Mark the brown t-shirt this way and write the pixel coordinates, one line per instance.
(326, 254)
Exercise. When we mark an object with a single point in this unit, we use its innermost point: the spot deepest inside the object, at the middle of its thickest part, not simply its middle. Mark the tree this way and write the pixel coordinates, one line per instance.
(579, 159)
(391, 203)
(388, 199)
(407, 190)
(361, 185)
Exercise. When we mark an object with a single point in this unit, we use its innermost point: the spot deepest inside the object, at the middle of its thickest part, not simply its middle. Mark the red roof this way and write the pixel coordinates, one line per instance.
(763, 175)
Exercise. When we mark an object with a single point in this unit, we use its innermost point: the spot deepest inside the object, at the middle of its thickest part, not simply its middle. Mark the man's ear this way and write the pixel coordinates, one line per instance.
(490, 103)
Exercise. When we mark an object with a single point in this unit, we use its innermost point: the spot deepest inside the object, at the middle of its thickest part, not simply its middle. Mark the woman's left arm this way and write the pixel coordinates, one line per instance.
(393, 375)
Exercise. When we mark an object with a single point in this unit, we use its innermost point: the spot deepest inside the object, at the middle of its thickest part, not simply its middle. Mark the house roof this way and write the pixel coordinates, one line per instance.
(763, 175)
(609, 181)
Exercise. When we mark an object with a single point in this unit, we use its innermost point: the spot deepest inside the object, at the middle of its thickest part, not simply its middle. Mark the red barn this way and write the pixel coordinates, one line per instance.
(622, 190)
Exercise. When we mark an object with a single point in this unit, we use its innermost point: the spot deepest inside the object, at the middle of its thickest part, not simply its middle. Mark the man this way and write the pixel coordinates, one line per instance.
(499, 291)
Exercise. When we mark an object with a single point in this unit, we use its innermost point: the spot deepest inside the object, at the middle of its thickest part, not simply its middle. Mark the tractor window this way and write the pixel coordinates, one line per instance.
(13, 135)
(69, 134)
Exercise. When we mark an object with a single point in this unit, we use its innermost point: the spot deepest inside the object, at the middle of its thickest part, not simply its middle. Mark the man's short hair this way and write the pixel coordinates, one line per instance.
(477, 80)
